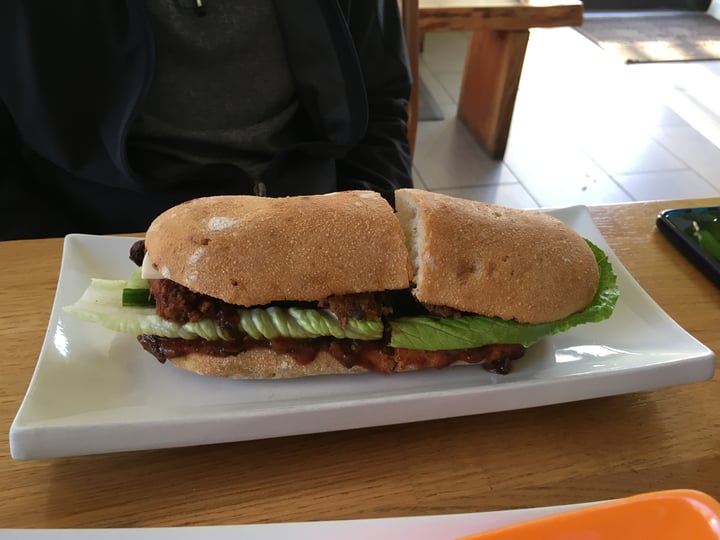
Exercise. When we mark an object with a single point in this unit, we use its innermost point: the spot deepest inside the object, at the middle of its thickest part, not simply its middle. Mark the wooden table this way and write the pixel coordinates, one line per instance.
(584, 451)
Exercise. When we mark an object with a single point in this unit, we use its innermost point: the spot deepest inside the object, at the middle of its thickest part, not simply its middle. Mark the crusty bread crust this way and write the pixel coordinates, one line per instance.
(495, 261)
(254, 250)
(261, 364)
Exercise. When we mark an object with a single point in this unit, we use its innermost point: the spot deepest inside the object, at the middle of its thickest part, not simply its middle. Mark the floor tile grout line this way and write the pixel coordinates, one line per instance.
(689, 166)
(650, 131)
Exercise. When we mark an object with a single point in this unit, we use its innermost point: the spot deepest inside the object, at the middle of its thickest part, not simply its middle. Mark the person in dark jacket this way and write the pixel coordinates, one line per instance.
(111, 112)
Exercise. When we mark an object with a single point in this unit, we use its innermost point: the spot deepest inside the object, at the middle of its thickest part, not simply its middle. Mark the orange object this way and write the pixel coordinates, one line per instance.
(662, 515)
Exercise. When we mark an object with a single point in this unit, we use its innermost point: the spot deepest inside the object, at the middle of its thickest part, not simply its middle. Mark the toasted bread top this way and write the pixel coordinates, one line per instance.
(495, 261)
(252, 251)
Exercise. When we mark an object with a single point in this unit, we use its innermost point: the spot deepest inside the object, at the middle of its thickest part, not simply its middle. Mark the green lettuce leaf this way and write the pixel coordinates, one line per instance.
(102, 304)
(432, 333)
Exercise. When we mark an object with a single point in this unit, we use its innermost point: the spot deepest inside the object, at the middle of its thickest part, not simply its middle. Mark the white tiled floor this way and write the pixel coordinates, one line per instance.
(586, 128)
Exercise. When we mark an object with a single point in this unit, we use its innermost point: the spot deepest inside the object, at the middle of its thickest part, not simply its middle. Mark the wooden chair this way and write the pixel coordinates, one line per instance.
(410, 11)
(494, 59)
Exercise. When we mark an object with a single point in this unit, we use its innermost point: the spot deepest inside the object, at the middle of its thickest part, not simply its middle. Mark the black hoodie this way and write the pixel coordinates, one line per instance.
(75, 73)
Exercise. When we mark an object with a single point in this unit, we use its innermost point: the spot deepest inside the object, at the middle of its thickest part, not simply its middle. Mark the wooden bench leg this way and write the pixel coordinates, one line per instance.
(490, 83)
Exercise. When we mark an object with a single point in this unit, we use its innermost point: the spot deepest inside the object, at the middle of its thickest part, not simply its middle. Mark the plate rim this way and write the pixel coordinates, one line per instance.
(26, 437)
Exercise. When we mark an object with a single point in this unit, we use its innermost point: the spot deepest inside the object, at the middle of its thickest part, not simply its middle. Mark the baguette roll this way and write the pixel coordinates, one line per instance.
(342, 284)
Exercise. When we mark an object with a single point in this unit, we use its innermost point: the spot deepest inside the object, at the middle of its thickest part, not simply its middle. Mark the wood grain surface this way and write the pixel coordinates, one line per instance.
(470, 15)
(499, 34)
(576, 452)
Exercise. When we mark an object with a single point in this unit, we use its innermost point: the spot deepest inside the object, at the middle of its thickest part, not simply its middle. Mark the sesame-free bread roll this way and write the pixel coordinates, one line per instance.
(254, 250)
(495, 261)
(271, 363)
(262, 364)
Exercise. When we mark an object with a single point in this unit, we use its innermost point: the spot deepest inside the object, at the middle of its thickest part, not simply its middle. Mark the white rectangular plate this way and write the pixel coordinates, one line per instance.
(96, 391)
(440, 527)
